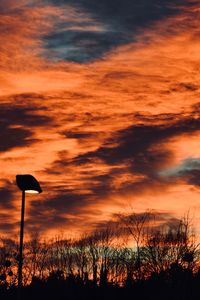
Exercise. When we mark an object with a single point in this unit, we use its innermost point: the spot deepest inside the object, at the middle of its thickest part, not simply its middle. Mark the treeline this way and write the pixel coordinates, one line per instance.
(137, 255)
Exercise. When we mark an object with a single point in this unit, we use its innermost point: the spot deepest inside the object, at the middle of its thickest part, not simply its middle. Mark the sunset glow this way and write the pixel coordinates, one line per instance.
(103, 109)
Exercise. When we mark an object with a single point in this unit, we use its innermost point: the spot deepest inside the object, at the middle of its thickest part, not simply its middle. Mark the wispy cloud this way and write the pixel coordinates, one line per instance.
(98, 101)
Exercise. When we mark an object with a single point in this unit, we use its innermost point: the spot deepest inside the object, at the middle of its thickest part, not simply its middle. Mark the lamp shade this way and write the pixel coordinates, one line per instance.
(28, 184)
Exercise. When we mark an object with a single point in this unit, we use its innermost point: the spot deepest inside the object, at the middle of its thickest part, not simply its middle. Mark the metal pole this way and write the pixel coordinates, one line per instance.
(21, 246)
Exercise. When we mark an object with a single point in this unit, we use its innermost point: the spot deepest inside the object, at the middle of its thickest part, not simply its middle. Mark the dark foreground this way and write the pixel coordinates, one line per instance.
(173, 285)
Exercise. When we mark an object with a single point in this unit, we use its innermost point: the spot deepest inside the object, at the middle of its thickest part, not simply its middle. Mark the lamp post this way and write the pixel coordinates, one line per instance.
(27, 184)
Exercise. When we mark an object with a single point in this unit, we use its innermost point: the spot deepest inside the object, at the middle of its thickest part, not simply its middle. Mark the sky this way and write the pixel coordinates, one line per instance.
(99, 100)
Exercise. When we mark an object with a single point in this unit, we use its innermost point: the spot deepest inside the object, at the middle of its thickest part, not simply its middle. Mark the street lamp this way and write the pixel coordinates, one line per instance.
(27, 184)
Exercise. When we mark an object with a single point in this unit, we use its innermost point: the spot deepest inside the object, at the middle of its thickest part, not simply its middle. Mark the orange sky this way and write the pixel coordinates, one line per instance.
(102, 134)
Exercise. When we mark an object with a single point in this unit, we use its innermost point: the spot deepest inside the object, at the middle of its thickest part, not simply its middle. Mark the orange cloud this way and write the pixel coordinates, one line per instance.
(96, 114)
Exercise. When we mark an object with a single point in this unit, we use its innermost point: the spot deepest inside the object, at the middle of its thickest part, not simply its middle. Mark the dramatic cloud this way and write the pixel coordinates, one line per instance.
(188, 170)
(17, 124)
(100, 101)
(120, 22)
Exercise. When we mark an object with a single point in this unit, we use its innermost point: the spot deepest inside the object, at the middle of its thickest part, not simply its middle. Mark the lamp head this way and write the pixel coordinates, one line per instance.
(28, 184)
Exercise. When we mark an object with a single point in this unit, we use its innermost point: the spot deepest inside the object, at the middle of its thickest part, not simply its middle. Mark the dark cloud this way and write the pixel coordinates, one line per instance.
(184, 87)
(53, 212)
(79, 135)
(6, 197)
(6, 207)
(121, 21)
(188, 170)
(13, 137)
(126, 13)
(117, 22)
(138, 149)
(82, 46)
(193, 177)
(18, 122)
(135, 144)
(142, 149)
(6, 226)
